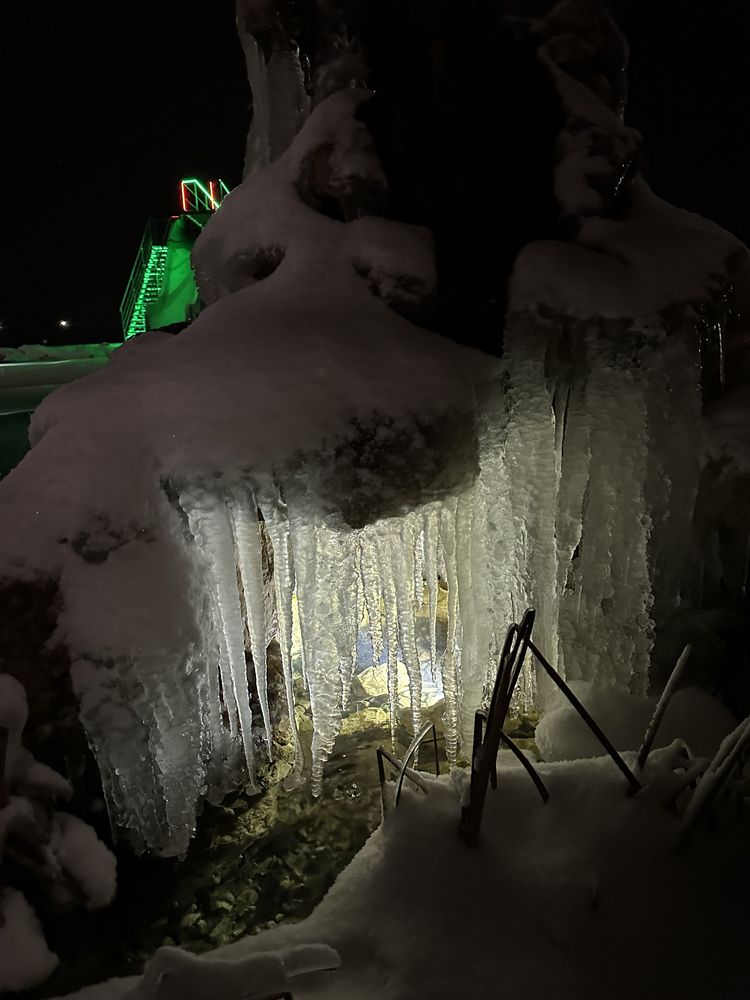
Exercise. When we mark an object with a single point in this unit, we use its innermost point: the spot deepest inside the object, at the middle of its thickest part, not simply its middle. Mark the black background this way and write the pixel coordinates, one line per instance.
(107, 106)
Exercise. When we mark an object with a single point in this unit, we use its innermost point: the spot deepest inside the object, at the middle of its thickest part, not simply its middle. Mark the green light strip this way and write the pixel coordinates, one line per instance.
(149, 290)
(212, 203)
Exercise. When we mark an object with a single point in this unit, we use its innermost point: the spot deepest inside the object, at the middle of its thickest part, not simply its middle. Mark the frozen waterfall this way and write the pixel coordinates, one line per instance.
(580, 506)
(574, 473)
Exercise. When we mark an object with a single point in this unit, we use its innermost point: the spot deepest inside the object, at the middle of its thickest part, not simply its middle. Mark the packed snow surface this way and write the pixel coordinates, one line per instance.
(586, 896)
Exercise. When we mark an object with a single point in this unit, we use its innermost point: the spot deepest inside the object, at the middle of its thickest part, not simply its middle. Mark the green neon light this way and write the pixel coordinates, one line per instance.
(149, 290)
(211, 201)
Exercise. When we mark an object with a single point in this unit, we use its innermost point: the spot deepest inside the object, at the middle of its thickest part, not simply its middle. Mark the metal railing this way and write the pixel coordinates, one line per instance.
(145, 279)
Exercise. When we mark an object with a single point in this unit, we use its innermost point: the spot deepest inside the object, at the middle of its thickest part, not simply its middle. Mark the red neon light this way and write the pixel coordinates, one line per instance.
(214, 203)
(183, 195)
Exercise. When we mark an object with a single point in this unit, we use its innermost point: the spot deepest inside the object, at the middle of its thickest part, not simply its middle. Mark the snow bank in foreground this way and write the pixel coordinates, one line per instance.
(586, 896)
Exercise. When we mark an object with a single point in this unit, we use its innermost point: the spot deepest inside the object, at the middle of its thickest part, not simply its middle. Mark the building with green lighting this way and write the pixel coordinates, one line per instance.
(161, 292)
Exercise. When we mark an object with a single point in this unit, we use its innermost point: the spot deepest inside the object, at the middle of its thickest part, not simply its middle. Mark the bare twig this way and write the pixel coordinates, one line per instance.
(634, 783)
(528, 766)
(718, 772)
(661, 707)
(412, 752)
(484, 751)
(413, 776)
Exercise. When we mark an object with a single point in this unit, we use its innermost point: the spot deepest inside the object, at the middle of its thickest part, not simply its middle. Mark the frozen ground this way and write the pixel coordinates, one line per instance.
(587, 896)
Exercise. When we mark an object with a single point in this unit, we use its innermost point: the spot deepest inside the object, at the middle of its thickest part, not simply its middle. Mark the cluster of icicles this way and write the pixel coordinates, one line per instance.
(343, 581)
(572, 478)
(559, 517)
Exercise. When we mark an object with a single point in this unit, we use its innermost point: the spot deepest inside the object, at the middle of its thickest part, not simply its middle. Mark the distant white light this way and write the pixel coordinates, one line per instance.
(63, 322)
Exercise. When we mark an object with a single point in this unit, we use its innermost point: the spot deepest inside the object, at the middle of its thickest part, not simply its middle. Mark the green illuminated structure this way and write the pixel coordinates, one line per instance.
(161, 290)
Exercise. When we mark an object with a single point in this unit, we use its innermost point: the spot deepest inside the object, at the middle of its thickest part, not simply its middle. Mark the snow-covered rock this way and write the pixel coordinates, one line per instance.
(692, 715)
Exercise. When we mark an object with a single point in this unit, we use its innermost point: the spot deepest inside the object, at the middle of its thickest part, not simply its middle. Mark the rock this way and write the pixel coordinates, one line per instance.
(373, 682)
(365, 719)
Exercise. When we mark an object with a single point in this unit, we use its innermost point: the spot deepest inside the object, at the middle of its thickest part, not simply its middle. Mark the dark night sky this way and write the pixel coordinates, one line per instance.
(103, 116)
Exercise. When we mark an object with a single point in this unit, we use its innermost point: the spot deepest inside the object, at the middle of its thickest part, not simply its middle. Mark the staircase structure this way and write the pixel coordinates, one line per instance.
(161, 289)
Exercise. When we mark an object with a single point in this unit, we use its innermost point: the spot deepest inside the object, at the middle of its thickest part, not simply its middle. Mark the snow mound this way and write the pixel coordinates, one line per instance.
(87, 860)
(554, 893)
(692, 715)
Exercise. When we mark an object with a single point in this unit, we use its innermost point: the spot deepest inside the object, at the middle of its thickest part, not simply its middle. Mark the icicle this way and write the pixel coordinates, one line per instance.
(212, 530)
(222, 750)
(452, 655)
(283, 574)
(371, 591)
(533, 475)
(175, 745)
(388, 588)
(575, 453)
(431, 542)
(247, 538)
(419, 568)
(316, 567)
(344, 550)
(612, 631)
(403, 545)
(472, 657)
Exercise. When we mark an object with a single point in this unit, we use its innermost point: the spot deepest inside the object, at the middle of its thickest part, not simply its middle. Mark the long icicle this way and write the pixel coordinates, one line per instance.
(371, 591)
(211, 527)
(452, 651)
(246, 530)
(431, 541)
(388, 588)
(277, 527)
(403, 547)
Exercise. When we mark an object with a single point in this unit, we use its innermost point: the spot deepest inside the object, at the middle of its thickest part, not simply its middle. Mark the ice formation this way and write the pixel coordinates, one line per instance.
(305, 465)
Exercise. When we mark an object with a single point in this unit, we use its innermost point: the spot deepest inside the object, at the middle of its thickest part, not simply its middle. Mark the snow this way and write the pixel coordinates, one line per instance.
(651, 256)
(692, 715)
(380, 456)
(46, 352)
(62, 843)
(174, 974)
(588, 895)
(86, 859)
(14, 712)
(247, 408)
(591, 126)
(25, 959)
(33, 778)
